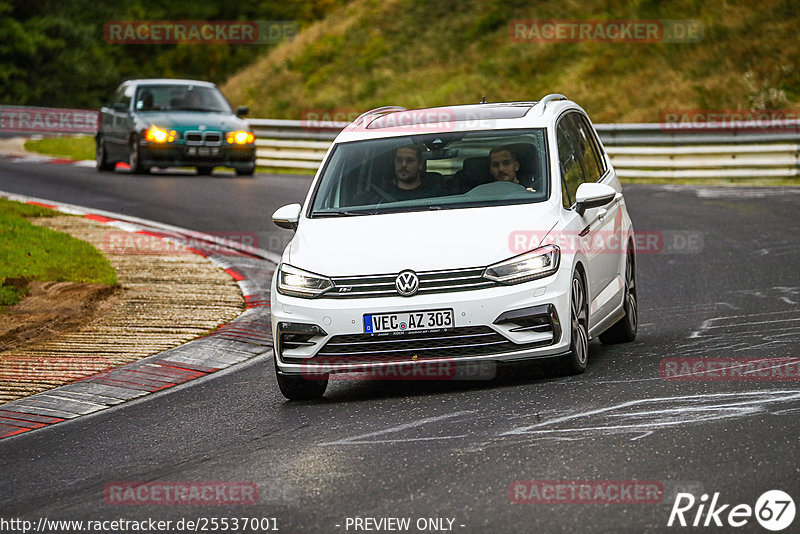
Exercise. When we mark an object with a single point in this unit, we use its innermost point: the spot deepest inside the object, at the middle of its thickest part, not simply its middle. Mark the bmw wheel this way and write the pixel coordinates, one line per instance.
(135, 158)
(101, 157)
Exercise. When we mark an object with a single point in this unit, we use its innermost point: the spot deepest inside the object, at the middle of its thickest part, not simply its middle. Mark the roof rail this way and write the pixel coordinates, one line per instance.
(378, 111)
(549, 98)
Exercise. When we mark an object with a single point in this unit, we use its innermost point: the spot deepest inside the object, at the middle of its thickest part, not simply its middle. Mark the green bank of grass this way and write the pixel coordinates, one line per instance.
(370, 53)
(73, 147)
(29, 252)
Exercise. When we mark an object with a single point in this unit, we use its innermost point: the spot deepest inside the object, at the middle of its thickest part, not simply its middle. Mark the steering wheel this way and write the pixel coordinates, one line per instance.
(385, 197)
(499, 187)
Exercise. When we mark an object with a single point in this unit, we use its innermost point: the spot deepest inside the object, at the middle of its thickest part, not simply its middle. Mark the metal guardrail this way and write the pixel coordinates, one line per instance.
(636, 150)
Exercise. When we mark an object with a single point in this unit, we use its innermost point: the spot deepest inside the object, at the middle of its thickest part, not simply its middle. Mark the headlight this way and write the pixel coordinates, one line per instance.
(154, 134)
(240, 138)
(529, 266)
(299, 283)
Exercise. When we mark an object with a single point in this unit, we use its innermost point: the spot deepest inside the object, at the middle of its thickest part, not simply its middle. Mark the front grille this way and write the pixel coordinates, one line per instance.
(213, 138)
(455, 343)
(203, 138)
(382, 285)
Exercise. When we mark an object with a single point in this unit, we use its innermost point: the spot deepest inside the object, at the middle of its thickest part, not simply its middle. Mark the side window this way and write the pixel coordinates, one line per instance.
(124, 95)
(582, 144)
(572, 173)
(593, 161)
(117, 95)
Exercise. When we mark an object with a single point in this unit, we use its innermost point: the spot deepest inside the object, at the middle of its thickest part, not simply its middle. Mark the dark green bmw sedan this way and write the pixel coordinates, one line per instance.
(173, 123)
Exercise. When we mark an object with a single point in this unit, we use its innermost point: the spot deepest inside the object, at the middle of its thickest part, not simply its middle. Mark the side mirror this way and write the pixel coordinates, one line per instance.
(242, 111)
(593, 195)
(119, 106)
(287, 216)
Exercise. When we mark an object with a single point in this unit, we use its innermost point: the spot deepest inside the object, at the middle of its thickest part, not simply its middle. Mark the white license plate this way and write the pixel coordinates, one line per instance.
(203, 151)
(381, 323)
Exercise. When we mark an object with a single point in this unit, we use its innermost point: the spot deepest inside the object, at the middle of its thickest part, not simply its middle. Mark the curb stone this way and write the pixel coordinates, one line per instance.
(247, 336)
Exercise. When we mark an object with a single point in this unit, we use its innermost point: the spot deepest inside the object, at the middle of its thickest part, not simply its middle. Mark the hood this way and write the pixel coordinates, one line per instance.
(191, 120)
(422, 241)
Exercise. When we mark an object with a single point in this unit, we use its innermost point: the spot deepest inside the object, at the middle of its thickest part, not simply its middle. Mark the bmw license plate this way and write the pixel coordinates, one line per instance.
(384, 323)
(203, 151)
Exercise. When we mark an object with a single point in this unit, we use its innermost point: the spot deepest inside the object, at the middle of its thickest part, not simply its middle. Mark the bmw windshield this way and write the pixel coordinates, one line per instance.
(434, 171)
(181, 97)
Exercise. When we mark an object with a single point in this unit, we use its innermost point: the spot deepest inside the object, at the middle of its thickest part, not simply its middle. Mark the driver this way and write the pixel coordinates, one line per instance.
(503, 164)
(409, 169)
(193, 99)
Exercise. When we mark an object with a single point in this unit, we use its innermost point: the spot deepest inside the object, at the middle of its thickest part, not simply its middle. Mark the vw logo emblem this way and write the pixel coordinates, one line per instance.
(407, 283)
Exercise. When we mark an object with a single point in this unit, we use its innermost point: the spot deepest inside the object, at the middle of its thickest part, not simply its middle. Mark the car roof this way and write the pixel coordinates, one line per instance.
(169, 81)
(391, 121)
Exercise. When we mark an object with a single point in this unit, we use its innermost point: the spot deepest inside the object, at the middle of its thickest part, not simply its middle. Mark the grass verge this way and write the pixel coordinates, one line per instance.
(29, 252)
(73, 147)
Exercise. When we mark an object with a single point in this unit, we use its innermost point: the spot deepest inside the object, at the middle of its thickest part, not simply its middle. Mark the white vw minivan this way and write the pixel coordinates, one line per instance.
(480, 233)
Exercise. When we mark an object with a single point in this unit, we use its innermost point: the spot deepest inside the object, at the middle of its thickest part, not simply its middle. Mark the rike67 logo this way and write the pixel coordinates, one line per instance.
(774, 510)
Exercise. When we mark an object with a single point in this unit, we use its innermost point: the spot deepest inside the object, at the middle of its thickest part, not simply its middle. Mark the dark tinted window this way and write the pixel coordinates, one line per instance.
(589, 148)
(123, 95)
(572, 172)
(180, 97)
(444, 170)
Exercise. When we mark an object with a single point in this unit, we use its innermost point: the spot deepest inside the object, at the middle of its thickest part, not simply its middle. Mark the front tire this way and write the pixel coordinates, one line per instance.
(135, 158)
(575, 361)
(299, 387)
(246, 171)
(624, 330)
(101, 162)
(204, 171)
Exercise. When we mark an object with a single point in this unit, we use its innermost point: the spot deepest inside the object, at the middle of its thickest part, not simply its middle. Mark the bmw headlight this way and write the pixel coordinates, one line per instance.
(154, 134)
(299, 283)
(529, 266)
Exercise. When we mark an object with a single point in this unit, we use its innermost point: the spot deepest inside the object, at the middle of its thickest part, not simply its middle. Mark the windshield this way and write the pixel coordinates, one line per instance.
(180, 98)
(434, 171)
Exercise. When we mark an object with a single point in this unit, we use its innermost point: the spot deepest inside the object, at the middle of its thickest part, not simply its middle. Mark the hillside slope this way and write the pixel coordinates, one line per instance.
(417, 53)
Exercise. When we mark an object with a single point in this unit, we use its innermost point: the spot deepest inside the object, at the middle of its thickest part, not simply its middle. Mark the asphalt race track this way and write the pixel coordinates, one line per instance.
(723, 283)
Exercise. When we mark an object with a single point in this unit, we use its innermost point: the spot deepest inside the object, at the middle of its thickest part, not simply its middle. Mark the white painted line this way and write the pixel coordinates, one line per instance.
(362, 438)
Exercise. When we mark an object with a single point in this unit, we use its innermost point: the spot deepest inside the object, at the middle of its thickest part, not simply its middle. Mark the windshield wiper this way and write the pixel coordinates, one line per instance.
(341, 213)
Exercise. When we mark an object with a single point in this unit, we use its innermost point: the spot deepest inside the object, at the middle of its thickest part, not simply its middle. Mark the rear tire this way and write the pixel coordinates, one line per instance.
(298, 387)
(624, 330)
(204, 171)
(101, 156)
(575, 362)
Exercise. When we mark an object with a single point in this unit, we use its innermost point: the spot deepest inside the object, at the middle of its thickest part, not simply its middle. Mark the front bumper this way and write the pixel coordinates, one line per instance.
(501, 323)
(180, 155)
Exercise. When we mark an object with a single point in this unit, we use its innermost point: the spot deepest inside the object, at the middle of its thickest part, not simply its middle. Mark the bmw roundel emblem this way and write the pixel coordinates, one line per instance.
(407, 283)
